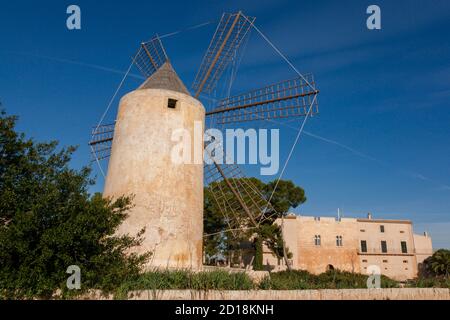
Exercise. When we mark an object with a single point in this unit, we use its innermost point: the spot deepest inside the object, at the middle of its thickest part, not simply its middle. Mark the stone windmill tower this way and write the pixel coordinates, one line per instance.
(168, 197)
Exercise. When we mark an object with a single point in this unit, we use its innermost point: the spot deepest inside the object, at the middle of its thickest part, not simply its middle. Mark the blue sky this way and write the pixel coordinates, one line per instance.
(380, 143)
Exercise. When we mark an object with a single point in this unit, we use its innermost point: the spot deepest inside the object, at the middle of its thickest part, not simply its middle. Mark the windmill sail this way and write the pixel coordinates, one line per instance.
(150, 57)
(286, 99)
(101, 141)
(238, 198)
(229, 35)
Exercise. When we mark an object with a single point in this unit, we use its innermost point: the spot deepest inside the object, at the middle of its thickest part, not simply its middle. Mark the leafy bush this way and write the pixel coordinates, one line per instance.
(48, 222)
(437, 265)
(289, 280)
(334, 279)
(431, 282)
(184, 279)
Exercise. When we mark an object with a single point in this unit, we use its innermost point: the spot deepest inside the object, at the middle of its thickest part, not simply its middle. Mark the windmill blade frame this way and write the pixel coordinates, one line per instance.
(245, 204)
(285, 99)
(101, 141)
(150, 56)
(229, 35)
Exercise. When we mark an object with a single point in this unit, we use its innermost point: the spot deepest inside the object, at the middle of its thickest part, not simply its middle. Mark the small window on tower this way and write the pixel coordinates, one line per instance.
(172, 103)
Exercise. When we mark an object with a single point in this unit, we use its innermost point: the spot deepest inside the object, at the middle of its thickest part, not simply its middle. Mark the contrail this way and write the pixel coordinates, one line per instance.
(360, 154)
(186, 29)
(78, 63)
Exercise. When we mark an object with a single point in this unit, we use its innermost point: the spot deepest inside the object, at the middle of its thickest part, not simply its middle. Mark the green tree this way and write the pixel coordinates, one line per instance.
(213, 224)
(48, 221)
(286, 196)
(438, 264)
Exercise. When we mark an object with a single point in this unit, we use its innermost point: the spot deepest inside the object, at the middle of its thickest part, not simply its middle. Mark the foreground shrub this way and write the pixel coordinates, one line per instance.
(48, 222)
(438, 265)
(335, 279)
(183, 279)
(289, 280)
(429, 282)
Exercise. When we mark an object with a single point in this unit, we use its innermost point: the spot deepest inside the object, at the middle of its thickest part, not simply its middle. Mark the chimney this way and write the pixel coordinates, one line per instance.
(369, 216)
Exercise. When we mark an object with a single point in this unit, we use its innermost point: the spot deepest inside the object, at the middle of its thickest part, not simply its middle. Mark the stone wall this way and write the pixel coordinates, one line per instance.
(395, 264)
(167, 196)
(326, 294)
(301, 232)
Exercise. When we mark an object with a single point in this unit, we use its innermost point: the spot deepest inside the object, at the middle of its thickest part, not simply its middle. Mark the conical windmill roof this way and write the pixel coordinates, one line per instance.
(165, 78)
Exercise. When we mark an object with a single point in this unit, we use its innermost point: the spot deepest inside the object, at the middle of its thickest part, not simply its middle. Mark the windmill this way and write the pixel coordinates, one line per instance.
(169, 197)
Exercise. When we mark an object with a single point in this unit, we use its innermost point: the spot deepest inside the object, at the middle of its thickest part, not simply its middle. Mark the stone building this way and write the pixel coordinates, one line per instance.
(167, 195)
(319, 244)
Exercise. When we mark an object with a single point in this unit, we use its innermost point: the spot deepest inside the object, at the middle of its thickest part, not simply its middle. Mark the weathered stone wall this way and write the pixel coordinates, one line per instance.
(168, 196)
(318, 259)
(423, 246)
(394, 263)
(299, 235)
(300, 232)
(327, 294)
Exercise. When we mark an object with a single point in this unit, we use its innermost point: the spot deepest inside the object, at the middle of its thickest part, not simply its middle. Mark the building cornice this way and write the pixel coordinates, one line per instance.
(384, 221)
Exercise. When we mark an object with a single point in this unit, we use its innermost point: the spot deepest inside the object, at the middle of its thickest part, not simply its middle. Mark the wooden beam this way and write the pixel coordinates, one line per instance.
(230, 186)
(150, 56)
(222, 110)
(202, 84)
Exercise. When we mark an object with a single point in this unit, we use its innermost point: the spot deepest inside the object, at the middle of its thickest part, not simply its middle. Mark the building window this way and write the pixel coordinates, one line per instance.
(404, 247)
(385, 261)
(316, 218)
(383, 246)
(171, 103)
(362, 230)
(363, 246)
(339, 242)
(402, 231)
(405, 261)
(382, 229)
(364, 261)
(317, 240)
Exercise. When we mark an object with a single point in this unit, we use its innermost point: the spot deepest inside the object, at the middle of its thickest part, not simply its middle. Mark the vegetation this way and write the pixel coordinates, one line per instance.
(430, 282)
(48, 222)
(286, 196)
(223, 280)
(184, 279)
(438, 265)
(434, 271)
(333, 279)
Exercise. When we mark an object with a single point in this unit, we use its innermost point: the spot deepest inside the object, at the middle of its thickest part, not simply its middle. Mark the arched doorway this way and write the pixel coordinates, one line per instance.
(330, 267)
